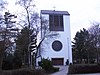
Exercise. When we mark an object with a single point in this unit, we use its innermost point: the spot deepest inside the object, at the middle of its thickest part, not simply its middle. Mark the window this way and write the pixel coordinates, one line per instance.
(57, 45)
(56, 22)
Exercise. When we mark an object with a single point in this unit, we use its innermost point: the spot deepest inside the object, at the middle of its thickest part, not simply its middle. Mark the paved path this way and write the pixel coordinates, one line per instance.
(63, 70)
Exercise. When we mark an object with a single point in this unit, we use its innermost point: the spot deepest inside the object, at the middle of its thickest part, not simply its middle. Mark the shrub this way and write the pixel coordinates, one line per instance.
(23, 72)
(55, 69)
(48, 66)
(7, 65)
(82, 69)
(11, 62)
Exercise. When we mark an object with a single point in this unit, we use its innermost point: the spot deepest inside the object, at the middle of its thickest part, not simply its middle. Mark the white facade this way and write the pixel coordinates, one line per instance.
(63, 36)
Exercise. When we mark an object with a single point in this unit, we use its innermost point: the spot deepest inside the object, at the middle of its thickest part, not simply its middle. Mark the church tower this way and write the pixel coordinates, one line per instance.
(55, 27)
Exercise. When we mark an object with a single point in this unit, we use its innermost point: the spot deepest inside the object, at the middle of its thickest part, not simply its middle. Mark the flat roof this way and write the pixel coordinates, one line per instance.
(54, 12)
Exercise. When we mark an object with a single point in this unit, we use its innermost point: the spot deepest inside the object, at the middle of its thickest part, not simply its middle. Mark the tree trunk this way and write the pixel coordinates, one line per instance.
(1, 60)
(1, 53)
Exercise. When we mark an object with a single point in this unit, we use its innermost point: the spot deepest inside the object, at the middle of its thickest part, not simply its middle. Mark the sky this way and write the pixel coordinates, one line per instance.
(82, 12)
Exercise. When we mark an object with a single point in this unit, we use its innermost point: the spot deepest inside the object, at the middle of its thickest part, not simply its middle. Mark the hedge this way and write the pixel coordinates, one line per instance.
(23, 72)
(83, 68)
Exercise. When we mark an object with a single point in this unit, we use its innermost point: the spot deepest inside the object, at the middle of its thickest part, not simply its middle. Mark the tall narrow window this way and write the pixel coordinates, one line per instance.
(51, 19)
(61, 23)
(56, 22)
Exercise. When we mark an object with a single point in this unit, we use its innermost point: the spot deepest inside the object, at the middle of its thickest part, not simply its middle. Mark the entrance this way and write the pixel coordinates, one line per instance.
(58, 61)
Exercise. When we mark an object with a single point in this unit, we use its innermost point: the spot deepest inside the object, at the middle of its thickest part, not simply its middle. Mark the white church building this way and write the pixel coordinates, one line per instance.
(57, 43)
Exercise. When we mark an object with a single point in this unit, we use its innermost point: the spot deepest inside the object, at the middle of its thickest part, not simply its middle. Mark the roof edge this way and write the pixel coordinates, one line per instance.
(54, 12)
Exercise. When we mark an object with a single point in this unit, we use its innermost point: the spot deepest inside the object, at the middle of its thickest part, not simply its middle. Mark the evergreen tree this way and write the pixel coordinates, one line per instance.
(22, 43)
(82, 46)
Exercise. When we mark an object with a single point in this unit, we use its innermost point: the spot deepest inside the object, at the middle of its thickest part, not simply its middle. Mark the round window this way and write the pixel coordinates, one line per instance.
(57, 45)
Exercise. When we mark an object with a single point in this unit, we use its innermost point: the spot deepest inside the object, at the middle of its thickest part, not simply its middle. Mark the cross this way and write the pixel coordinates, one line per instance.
(54, 8)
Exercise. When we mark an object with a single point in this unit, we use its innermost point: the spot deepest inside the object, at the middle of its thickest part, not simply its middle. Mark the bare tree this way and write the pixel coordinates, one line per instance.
(2, 7)
(6, 24)
(95, 34)
(32, 21)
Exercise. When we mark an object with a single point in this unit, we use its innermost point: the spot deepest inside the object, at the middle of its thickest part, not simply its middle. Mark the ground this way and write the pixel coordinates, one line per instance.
(63, 70)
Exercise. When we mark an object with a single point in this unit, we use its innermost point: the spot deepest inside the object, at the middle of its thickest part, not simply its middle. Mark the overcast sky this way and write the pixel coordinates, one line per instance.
(82, 12)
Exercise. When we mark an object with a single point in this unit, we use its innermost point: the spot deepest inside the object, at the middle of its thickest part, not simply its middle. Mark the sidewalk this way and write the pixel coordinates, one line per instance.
(63, 70)
(86, 74)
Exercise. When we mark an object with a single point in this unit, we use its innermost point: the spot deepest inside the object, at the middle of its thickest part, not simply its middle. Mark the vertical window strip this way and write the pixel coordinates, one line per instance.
(56, 22)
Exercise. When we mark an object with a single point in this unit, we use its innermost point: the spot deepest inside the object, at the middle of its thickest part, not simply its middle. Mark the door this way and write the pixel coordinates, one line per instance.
(58, 61)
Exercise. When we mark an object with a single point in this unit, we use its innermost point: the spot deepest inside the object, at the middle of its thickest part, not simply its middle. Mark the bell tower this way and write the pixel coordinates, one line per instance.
(57, 49)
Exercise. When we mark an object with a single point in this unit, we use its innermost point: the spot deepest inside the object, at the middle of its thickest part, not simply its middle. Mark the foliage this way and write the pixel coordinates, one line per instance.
(47, 66)
(6, 24)
(83, 68)
(23, 71)
(29, 21)
(22, 43)
(16, 62)
(7, 62)
(94, 31)
(82, 46)
(11, 61)
(78, 47)
(1, 53)
(32, 22)
(28, 18)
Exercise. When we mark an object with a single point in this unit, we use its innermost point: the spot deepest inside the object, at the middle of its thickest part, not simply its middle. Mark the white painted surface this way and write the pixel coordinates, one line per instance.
(64, 37)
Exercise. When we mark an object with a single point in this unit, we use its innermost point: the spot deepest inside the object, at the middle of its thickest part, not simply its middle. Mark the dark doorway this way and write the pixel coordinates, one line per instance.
(58, 61)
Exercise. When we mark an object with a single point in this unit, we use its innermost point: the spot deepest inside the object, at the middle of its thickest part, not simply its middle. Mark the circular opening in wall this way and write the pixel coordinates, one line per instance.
(57, 45)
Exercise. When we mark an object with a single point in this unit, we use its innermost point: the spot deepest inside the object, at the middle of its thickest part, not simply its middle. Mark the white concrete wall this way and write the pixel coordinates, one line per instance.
(64, 37)
(68, 32)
